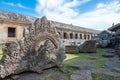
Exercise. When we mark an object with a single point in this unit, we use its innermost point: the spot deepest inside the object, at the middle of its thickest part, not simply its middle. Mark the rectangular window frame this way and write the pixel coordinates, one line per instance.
(12, 35)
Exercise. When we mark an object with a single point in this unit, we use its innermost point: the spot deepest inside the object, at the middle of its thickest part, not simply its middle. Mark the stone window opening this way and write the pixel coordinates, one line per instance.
(80, 36)
(65, 35)
(88, 37)
(84, 36)
(76, 36)
(71, 36)
(91, 36)
(11, 32)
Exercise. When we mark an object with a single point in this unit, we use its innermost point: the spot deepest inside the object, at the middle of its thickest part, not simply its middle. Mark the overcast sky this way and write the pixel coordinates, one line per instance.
(95, 14)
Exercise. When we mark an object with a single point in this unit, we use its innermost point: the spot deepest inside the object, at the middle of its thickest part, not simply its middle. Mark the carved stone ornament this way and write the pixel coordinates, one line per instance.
(37, 50)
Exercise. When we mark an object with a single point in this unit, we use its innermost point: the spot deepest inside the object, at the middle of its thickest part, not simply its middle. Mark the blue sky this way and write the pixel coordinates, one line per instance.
(95, 14)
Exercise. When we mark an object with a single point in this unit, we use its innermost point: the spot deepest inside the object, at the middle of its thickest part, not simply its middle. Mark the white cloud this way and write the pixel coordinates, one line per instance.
(16, 5)
(101, 17)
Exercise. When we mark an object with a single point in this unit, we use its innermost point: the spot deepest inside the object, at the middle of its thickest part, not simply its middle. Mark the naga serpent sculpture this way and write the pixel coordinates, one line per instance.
(37, 50)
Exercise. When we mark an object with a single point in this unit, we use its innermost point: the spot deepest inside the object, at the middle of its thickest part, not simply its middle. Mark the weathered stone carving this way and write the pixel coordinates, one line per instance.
(104, 35)
(103, 39)
(39, 49)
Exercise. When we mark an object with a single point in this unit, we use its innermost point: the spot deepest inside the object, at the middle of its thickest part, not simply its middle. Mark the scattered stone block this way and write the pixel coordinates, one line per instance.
(113, 74)
(108, 55)
(110, 51)
(115, 58)
(117, 50)
(104, 59)
(80, 64)
(99, 70)
(105, 71)
(57, 77)
(88, 47)
(63, 69)
(71, 49)
(93, 58)
(81, 75)
(113, 64)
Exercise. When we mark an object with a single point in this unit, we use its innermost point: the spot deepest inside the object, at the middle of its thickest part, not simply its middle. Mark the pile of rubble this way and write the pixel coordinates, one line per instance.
(103, 39)
(109, 39)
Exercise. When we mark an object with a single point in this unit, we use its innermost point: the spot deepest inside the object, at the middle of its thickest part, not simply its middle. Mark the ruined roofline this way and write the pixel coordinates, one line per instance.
(74, 27)
(13, 17)
(114, 26)
(23, 23)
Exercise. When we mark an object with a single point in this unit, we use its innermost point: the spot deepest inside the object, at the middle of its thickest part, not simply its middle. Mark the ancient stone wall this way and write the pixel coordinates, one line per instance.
(7, 18)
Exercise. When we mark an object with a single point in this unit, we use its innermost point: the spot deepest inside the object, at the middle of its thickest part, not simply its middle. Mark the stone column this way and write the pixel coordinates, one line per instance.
(90, 36)
(82, 36)
(68, 35)
(73, 35)
(61, 34)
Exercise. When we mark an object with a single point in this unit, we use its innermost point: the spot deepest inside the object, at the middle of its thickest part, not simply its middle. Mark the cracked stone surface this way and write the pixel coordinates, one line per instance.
(37, 50)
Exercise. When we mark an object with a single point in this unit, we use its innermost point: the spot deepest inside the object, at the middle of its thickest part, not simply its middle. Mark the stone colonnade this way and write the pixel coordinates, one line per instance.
(66, 34)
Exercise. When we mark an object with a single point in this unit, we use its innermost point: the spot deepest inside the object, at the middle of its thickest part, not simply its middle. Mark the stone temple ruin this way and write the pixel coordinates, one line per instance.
(12, 26)
(38, 50)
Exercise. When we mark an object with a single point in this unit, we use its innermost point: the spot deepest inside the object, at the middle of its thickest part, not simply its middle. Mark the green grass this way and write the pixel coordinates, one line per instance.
(77, 57)
(1, 54)
(101, 50)
(0, 51)
(73, 58)
(83, 56)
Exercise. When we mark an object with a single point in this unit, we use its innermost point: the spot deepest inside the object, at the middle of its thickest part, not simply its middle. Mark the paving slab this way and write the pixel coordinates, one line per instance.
(113, 64)
(108, 55)
(81, 75)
